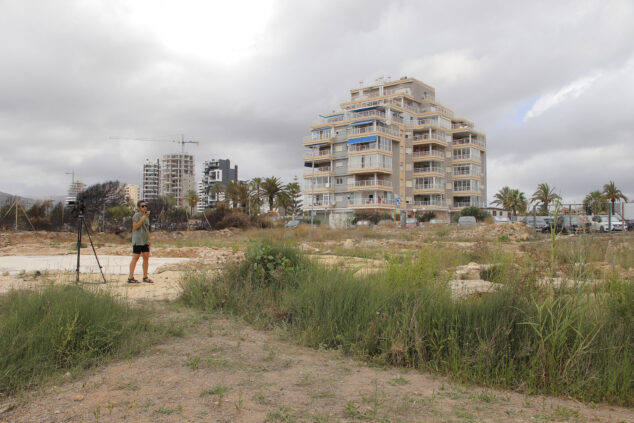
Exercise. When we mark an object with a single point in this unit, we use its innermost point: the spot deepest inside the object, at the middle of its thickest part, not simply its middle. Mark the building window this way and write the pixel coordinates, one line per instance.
(338, 181)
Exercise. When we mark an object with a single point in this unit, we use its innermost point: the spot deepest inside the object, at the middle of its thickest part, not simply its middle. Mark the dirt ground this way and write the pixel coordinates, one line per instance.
(223, 370)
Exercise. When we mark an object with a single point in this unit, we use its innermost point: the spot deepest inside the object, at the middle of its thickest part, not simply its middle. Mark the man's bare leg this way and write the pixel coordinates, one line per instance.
(146, 263)
(135, 258)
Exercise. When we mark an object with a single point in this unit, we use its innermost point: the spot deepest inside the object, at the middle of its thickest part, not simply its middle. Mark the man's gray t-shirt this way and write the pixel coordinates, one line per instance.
(140, 236)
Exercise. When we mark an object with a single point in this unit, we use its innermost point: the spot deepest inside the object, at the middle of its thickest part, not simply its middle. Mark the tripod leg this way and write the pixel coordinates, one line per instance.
(95, 253)
(79, 226)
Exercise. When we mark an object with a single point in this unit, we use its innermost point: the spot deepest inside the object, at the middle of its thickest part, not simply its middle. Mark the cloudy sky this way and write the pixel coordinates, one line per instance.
(550, 82)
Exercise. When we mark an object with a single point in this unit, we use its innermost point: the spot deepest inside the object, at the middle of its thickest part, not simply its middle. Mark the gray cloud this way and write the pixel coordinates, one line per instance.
(76, 73)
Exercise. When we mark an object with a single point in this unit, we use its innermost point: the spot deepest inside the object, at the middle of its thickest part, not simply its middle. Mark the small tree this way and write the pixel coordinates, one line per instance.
(595, 203)
(192, 200)
(476, 212)
(612, 193)
(544, 196)
(294, 193)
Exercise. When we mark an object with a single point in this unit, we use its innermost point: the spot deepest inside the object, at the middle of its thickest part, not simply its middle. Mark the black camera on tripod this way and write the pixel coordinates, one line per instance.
(78, 208)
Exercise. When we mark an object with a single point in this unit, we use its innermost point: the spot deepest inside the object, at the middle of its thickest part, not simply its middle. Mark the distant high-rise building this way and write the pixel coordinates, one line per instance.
(393, 149)
(214, 172)
(132, 193)
(177, 176)
(76, 186)
(151, 180)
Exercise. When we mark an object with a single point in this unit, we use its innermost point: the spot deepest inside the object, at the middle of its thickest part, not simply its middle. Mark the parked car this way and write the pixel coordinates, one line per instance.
(536, 222)
(601, 223)
(559, 227)
(436, 221)
(466, 221)
(411, 223)
(580, 224)
(501, 219)
(292, 223)
(630, 224)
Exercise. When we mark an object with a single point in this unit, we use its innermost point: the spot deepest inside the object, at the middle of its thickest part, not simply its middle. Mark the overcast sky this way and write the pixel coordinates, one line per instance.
(551, 83)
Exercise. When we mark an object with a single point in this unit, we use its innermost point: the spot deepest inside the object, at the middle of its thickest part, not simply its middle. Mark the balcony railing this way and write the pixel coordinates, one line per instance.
(366, 129)
(368, 113)
(366, 147)
(465, 157)
(318, 154)
(433, 136)
(473, 140)
(429, 186)
(436, 169)
(465, 188)
(320, 169)
(461, 172)
(461, 125)
(428, 153)
(430, 202)
(372, 182)
(317, 137)
(370, 201)
(465, 203)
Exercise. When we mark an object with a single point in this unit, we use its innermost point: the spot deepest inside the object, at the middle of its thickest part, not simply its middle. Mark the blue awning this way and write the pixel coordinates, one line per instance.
(365, 122)
(365, 108)
(363, 139)
(320, 129)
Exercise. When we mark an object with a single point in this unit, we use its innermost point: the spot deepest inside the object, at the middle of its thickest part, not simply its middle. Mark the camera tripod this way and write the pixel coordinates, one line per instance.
(82, 224)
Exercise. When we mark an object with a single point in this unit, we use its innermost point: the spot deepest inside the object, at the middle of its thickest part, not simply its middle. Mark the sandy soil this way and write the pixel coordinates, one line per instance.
(223, 370)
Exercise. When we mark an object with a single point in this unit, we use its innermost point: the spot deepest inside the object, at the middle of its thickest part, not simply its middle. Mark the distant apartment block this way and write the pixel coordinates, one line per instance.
(75, 187)
(151, 180)
(132, 193)
(214, 172)
(393, 148)
(177, 176)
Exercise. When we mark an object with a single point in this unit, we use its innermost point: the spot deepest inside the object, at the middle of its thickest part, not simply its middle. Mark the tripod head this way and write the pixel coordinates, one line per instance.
(78, 208)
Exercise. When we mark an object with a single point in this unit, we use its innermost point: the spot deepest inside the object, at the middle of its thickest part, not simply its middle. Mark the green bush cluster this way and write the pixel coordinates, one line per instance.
(570, 341)
(62, 328)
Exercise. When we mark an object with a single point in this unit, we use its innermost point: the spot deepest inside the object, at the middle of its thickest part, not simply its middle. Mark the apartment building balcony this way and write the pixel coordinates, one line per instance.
(462, 125)
(371, 203)
(318, 156)
(460, 202)
(318, 171)
(319, 139)
(469, 142)
(369, 169)
(465, 159)
(371, 184)
(436, 188)
(319, 189)
(376, 129)
(378, 145)
(427, 139)
(426, 154)
(318, 205)
(466, 174)
(429, 202)
(466, 192)
(367, 114)
(429, 171)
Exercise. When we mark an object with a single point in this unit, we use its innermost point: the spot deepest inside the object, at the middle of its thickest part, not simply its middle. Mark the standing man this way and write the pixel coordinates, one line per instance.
(140, 241)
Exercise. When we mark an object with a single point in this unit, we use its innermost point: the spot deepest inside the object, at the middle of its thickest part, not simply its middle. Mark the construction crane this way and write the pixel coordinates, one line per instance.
(181, 166)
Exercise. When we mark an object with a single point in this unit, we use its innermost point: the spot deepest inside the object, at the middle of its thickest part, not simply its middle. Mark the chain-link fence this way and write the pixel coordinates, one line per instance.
(581, 217)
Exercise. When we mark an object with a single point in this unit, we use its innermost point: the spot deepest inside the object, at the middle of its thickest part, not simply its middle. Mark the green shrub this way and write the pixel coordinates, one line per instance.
(568, 341)
(62, 328)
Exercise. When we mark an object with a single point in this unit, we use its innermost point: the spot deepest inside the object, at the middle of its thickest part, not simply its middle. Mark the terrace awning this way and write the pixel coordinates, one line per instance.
(365, 122)
(365, 108)
(362, 139)
(320, 129)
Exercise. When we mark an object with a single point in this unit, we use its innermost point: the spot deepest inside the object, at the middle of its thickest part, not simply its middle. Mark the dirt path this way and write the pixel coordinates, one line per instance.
(225, 371)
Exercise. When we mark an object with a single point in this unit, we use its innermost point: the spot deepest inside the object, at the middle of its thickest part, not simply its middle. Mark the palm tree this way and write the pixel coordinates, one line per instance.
(511, 199)
(518, 202)
(256, 194)
(595, 203)
(503, 198)
(192, 200)
(544, 196)
(612, 193)
(272, 188)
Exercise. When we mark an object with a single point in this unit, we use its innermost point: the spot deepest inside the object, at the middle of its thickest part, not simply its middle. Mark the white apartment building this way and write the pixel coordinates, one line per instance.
(151, 180)
(394, 149)
(177, 176)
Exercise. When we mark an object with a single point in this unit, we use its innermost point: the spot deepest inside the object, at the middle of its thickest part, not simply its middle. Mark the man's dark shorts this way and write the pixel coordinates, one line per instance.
(138, 249)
